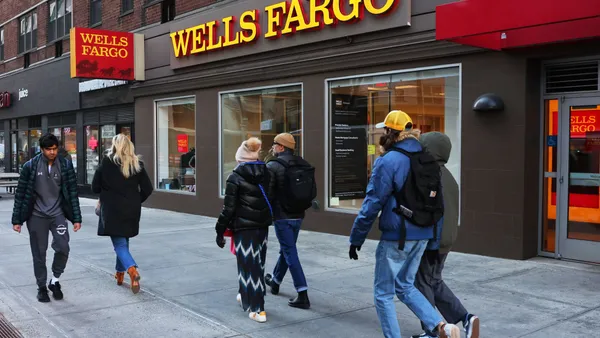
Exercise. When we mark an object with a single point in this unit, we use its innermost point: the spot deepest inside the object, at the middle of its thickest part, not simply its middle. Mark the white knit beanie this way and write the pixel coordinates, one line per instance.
(248, 151)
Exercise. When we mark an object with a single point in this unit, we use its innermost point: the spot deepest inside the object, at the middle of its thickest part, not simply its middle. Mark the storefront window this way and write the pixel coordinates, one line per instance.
(34, 142)
(92, 158)
(23, 148)
(261, 113)
(175, 142)
(2, 153)
(108, 132)
(69, 142)
(356, 105)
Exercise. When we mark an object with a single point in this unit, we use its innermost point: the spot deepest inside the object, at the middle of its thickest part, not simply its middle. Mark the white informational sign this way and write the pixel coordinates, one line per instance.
(87, 86)
(109, 131)
(266, 125)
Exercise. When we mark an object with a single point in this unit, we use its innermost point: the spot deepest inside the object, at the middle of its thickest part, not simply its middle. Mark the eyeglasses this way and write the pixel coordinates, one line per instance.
(276, 144)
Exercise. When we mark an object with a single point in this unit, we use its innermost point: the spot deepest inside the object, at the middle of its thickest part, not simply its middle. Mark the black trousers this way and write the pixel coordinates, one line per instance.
(429, 281)
(39, 228)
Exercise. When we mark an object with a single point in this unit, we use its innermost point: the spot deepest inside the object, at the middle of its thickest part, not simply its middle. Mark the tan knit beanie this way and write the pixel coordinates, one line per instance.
(286, 140)
(248, 151)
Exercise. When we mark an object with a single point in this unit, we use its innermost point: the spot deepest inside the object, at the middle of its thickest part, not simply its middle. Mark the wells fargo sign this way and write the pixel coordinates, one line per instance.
(582, 122)
(5, 100)
(102, 54)
(271, 26)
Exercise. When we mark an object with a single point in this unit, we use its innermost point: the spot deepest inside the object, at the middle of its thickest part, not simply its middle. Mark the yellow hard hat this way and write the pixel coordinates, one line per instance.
(397, 120)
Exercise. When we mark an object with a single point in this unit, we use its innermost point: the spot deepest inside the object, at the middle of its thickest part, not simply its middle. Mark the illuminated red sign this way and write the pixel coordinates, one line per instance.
(182, 143)
(582, 122)
(5, 100)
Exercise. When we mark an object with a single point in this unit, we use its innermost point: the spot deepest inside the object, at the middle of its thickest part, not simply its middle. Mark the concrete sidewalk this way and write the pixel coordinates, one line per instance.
(189, 288)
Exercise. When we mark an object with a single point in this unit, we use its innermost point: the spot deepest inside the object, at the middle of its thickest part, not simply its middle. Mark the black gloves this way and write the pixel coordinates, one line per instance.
(352, 253)
(220, 241)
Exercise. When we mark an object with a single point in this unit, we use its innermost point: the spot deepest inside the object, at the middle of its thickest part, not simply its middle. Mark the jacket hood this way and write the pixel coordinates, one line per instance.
(252, 172)
(438, 145)
(410, 144)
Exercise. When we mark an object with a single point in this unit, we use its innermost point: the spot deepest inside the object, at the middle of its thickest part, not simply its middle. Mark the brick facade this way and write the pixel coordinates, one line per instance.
(145, 12)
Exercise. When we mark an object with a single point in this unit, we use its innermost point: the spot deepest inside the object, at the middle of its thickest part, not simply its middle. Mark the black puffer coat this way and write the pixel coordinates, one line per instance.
(245, 207)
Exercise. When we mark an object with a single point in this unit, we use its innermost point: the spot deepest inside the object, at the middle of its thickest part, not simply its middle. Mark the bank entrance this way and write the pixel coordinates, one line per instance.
(570, 205)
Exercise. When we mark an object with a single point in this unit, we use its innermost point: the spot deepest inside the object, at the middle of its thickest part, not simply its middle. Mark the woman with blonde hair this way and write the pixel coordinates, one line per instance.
(123, 185)
(247, 213)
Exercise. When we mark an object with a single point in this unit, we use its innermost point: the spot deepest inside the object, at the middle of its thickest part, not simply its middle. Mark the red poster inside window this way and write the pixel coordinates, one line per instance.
(182, 143)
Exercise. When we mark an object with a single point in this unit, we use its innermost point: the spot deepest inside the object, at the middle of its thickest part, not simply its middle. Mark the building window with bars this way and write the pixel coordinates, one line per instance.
(127, 6)
(95, 12)
(27, 32)
(59, 22)
(1, 43)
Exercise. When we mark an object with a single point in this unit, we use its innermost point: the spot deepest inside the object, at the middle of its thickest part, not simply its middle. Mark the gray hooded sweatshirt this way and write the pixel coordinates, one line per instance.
(439, 146)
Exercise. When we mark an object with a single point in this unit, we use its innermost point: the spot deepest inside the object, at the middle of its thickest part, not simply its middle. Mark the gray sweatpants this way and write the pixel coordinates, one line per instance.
(429, 281)
(38, 228)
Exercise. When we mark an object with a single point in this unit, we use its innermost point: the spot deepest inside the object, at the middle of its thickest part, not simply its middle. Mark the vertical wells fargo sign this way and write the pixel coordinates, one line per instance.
(271, 26)
(102, 54)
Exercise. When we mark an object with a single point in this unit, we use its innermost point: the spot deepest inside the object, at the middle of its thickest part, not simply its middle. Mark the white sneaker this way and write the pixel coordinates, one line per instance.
(259, 317)
(239, 298)
(450, 331)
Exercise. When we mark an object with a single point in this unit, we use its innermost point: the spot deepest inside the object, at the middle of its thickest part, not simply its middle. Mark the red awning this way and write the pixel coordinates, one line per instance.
(504, 24)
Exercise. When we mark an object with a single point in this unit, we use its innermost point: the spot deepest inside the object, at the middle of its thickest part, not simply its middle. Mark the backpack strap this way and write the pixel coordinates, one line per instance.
(402, 240)
(266, 198)
(281, 161)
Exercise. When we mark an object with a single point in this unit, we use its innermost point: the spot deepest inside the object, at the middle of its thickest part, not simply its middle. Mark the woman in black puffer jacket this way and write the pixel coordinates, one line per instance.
(247, 212)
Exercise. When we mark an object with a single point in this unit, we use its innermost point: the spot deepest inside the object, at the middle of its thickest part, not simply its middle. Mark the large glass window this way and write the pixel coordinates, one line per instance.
(67, 138)
(2, 153)
(175, 145)
(28, 32)
(356, 105)
(59, 22)
(261, 113)
(92, 154)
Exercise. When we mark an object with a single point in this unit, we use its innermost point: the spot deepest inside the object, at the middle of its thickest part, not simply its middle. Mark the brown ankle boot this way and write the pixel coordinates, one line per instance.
(120, 276)
(135, 279)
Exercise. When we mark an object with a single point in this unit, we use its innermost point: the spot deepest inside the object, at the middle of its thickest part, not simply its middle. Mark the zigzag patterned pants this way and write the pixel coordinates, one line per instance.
(251, 253)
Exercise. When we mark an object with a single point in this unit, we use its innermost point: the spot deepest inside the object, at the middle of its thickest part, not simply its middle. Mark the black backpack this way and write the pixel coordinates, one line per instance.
(420, 200)
(299, 184)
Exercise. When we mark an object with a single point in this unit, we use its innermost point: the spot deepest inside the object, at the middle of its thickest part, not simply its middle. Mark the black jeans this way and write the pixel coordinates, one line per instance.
(38, 228)
(429, 281)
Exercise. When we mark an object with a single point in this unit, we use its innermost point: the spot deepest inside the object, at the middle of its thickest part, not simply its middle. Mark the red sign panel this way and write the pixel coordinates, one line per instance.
(182, 143)
(102, 54)
(583, 122)
(5, 100)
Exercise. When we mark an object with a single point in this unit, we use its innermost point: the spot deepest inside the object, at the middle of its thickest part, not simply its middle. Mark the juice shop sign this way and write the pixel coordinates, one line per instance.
(102, 54)
(283, 18)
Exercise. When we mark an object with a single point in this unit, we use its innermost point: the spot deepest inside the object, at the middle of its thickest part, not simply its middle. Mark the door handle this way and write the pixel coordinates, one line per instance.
(561, 180)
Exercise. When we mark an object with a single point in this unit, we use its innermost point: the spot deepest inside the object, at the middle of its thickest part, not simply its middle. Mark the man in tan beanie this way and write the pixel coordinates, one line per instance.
(294, 188)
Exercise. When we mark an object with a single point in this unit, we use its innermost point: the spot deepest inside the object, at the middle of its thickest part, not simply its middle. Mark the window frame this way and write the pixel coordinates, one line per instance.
(99, 23)
(128, 10)
(33, 33)
(327, 111)
(243, 90)
(155, 153)
(1, 44)
(53, 23)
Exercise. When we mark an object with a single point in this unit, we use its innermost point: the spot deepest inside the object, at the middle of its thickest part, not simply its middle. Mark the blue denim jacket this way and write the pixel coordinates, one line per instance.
(389, 173)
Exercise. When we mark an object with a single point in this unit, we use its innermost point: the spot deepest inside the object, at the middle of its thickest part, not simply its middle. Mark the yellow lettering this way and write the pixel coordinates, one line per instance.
(113, 52)
(98, 39)
(274, 17)
(319, 14)
(353, 15)
(198, 39)
(295, 15)
(212, 28)
(124, 42)
(249, 26)
(232, 37)
(592, 119)
(180, 44)
(123, 53)
(87, 38)
(86, 50)
(377, 11)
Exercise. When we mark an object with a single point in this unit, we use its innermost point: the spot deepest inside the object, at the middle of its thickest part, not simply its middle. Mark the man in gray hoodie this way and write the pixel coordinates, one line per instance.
(429, 277)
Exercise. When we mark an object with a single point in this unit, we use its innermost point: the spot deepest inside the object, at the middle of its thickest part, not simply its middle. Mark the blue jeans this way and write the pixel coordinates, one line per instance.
(395, 272)
(124, 258)
(287, 231)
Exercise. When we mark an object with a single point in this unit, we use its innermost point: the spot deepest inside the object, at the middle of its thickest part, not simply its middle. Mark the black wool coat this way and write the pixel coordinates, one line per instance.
(121, 199)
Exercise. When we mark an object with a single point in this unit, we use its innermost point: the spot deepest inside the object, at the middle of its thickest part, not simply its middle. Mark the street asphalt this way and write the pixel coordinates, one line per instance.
(189, 287)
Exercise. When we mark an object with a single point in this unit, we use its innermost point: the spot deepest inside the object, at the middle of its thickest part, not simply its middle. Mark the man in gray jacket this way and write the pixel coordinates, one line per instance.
(429, 277)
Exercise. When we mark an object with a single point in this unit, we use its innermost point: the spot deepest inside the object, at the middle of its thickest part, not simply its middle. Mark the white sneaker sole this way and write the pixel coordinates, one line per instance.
(257, 317)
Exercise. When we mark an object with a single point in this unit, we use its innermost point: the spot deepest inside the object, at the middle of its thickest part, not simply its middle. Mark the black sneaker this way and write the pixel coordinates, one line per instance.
(472, 326)
(42, 295)
(301, 301)
(425, 335)
(274, 286)
(56, 292)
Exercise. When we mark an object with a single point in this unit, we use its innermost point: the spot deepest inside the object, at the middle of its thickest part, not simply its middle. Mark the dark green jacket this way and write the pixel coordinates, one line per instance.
(25, 195)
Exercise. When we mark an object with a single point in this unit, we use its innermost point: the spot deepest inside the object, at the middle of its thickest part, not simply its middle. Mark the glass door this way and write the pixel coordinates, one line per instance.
(579, 180)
